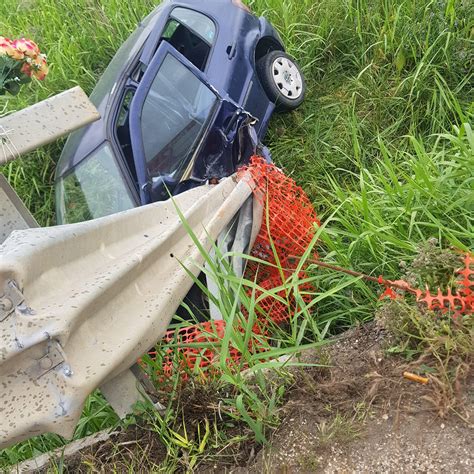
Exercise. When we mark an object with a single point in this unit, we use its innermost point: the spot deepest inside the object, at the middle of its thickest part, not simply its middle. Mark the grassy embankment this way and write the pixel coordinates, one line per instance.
(383, 145)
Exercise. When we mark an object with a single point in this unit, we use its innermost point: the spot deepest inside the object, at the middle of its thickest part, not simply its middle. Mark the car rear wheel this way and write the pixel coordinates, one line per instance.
(282, 80)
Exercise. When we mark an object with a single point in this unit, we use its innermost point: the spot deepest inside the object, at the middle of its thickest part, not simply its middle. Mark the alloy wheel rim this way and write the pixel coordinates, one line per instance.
(287, 78)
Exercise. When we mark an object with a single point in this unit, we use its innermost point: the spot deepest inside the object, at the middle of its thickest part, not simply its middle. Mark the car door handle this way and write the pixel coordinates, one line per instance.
(231, 50)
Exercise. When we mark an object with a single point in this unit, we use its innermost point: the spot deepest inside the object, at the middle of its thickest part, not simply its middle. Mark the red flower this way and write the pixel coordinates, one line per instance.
(26, 47)
(39, 67)
(26, 69)
(6, 48)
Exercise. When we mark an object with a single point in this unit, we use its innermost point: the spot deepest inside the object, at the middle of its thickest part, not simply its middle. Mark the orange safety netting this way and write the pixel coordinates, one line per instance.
(288, 226)
(288, 218)
(197, 344)
(465, 281)
(459, 303)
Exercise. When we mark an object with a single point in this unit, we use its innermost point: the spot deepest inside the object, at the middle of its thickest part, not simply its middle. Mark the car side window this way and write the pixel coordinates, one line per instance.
(173, 116)
(96, 187)
(192, 34)
(198, 23)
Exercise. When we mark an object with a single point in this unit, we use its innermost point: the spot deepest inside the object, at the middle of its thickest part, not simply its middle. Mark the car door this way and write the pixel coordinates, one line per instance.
(171, 114)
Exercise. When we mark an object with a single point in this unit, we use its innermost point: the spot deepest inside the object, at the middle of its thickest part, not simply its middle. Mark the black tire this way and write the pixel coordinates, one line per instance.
(282, 80)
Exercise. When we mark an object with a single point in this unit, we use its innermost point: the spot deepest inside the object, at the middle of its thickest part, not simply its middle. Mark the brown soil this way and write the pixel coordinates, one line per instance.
(363, 416)
(134, 450)
(358, 414)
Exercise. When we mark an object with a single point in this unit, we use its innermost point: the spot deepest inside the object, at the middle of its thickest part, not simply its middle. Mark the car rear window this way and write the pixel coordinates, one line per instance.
(198, 23)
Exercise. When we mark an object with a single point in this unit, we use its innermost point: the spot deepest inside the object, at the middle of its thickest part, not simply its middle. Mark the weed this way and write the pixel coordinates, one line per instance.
(432, 267)
(436, 345)
(340, 428)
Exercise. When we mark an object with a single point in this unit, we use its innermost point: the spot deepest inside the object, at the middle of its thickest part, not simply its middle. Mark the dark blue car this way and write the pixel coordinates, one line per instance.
(186, 99)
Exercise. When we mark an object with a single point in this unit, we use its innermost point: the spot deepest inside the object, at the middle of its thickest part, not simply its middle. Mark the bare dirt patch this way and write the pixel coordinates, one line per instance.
(361, 415)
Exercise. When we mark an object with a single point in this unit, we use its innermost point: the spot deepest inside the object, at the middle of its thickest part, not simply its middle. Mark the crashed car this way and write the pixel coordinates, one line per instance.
(186, 99)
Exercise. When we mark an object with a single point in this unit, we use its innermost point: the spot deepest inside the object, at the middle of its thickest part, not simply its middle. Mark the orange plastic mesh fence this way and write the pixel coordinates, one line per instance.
(272, 307)
(465, 281)
(459, 303)
(287, 230)
(288, 225)
(288, 219)
(197, 344)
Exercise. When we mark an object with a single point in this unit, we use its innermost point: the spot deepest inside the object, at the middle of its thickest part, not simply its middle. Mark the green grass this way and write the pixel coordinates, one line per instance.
(383, 145)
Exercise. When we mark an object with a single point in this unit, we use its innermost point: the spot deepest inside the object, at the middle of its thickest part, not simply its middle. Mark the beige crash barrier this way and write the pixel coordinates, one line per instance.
(13, 213)
(44, 122)
(80, 303)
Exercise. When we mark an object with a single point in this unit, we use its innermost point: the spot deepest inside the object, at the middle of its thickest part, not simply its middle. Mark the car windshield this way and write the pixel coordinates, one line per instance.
(95, 188)
(174, 113)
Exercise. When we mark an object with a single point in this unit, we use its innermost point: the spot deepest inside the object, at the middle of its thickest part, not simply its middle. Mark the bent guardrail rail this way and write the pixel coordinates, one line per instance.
(13, 213)
(80, 303)
(44, 122)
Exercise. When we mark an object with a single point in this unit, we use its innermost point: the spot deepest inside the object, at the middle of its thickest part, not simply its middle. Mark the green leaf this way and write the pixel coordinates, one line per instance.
(253, 424)
(400, 60)
(12, 87)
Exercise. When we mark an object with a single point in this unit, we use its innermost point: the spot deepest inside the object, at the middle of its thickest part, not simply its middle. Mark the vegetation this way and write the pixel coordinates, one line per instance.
(383, 145)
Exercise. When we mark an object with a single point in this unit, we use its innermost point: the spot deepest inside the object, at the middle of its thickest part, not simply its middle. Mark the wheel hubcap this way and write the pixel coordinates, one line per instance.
(287, 78)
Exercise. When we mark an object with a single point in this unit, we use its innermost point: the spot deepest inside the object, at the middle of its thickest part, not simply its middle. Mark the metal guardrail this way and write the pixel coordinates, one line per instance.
(13, 213)
(80, 303)
(44, 122)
